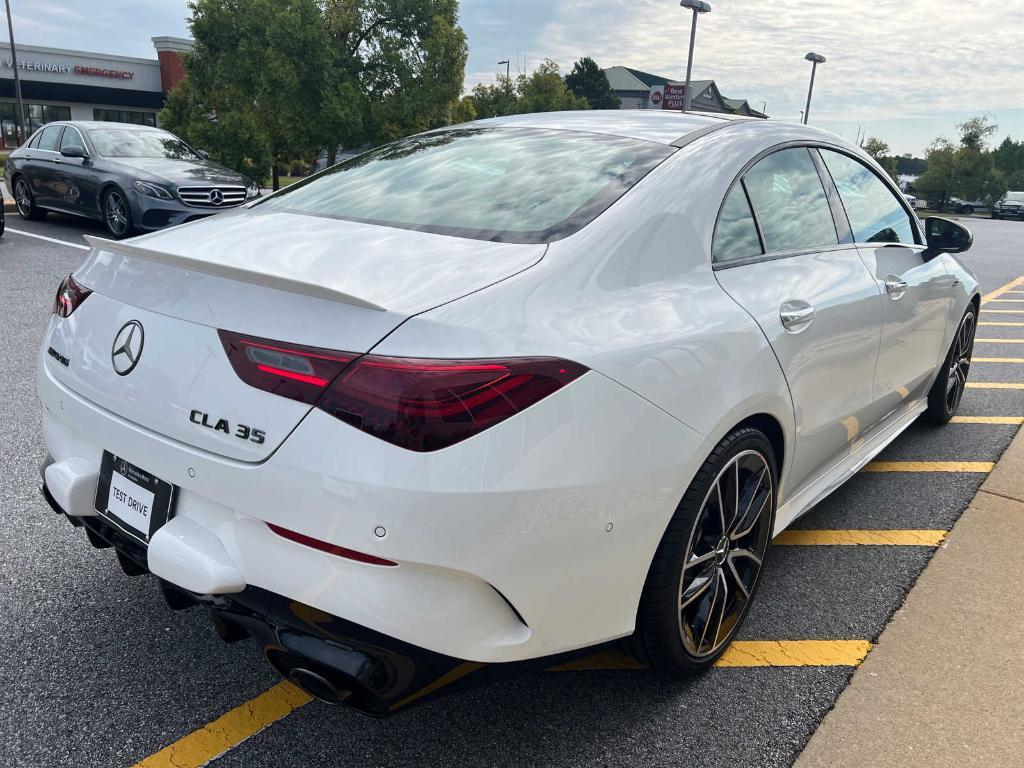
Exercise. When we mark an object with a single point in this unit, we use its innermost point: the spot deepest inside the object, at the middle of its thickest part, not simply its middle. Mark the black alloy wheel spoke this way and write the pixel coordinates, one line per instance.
(724, 554)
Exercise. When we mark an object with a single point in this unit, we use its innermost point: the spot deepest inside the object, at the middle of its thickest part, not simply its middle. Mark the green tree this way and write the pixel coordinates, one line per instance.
(545, 91)
(495, 100)
(1009, 160)
(967, 171)
(588, 81)
(881, 153)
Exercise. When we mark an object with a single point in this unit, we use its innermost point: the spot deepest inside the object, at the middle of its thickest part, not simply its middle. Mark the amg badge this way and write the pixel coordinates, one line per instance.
(241, 431)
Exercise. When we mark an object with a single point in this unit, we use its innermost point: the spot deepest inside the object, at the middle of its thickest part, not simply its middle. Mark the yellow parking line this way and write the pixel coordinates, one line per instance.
(998, 360)
(987, 420)
(995, 384)
(999, 341)
(748, 653)
(1003, 311)
(1002, 325)
(929, 466)
(229, 730)
(1002, 289)
(897, 538)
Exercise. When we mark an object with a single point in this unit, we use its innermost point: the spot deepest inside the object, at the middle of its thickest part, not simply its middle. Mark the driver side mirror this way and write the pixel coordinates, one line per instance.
(203, 154)
(73, 151)
(946, 236)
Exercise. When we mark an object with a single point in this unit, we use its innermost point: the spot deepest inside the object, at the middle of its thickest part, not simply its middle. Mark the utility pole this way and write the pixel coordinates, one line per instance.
(17, 78)
(508, 83)
(698, 7)
(815, 59)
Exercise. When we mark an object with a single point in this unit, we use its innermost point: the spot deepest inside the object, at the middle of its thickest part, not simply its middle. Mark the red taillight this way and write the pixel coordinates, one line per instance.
(331, 549)
(417, 404)
(70, 295)
(426, 405)
(293, 371)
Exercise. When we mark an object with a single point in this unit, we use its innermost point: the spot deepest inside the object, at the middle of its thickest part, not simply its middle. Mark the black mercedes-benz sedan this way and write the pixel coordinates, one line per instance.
(133, 178)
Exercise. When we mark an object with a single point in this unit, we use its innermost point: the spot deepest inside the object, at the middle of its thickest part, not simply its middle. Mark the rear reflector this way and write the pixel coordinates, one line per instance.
(331, 549)
(70, 295)
(293, 371)
(417, 404)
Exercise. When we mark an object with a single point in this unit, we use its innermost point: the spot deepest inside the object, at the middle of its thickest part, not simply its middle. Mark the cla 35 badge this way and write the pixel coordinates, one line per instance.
(127, 347)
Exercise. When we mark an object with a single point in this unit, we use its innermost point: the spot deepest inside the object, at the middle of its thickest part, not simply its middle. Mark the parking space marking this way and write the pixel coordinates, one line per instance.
(1007, 301)
(747, 653)
(991, 324)
(929, 466)
(229, 730)
(997, 360)
(1003, 311)
(892, 538)
(1002, 289)
(987, 420)
(999, 341)
(48, 239)
(995, 384)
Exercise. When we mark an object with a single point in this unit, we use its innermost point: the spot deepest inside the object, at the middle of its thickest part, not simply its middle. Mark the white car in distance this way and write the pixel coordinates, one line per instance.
(500, 392)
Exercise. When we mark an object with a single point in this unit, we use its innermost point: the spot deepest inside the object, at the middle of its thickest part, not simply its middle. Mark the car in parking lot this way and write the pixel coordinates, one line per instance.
(1009, 206)
(965, 207)
(133, 178)
(499, 392)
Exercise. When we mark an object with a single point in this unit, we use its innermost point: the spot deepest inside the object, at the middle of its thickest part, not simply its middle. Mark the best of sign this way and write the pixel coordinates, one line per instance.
(65, 69)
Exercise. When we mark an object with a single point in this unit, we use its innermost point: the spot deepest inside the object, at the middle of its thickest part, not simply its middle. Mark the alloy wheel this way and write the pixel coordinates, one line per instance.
(23, 198)
(960, 363)
(725, 552)
(116, 213)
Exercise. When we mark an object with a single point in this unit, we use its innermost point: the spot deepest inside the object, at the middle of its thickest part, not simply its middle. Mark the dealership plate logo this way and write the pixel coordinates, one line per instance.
(127, 347)
(216, 196)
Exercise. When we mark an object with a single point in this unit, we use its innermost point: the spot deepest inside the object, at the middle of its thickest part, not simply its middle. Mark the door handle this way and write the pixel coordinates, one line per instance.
(796, 316)
(57, 160)
(895, 286)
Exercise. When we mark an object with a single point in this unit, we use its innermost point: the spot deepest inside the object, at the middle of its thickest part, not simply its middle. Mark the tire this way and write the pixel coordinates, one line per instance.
(117, 214)
(967, 210)
(679, 606)
(947, 391)
(25, 202)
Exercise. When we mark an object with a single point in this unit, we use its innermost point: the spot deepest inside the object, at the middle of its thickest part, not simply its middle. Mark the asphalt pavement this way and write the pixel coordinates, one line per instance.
(96, 671)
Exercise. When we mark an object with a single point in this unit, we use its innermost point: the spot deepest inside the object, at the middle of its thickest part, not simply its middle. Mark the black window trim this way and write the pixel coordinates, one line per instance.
(840, 223)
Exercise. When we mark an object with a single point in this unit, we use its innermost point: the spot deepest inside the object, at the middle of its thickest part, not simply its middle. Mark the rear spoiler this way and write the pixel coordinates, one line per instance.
(233, 272)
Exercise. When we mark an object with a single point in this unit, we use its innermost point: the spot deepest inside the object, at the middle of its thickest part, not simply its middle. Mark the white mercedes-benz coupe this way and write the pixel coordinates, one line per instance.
(500, 392)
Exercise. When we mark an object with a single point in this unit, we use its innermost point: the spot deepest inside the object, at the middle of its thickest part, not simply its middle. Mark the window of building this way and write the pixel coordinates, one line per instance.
(736, 234)
(875, 214)
(790, 202)
(36, 116)
(124, 116)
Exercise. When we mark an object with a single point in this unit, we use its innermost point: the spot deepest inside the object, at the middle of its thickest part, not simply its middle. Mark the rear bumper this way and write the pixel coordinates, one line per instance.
(531, 539)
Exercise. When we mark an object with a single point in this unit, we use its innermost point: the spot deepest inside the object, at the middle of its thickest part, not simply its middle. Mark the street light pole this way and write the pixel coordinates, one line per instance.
(698, 7)
(17, 78)
(815, 59)
(507, 65)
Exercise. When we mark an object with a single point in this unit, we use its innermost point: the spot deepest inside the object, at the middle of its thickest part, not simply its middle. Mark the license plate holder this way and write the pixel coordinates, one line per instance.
(135, 501)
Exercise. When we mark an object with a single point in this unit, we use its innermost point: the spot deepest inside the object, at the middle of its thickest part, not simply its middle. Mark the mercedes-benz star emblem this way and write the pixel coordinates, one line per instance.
(127, 347)
(216, 196)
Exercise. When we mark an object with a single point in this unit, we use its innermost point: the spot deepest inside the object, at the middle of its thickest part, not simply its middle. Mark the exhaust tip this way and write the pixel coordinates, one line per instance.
(318, 686)
(325, 684)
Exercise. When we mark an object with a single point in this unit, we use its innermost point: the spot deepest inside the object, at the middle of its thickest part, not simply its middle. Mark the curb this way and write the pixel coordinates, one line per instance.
(941, 687)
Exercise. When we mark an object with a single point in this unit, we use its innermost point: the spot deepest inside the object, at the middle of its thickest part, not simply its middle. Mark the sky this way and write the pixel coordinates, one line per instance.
(905, 71)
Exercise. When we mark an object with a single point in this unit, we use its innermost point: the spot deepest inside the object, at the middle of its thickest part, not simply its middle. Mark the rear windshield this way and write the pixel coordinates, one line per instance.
(1018, 196)
(517, 185)
(125, 142)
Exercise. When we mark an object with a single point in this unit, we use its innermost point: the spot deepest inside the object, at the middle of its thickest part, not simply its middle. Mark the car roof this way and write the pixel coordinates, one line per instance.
(658, 125)
(103, 124)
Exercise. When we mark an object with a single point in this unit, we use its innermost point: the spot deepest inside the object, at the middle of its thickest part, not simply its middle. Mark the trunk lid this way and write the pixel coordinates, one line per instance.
(286, 277)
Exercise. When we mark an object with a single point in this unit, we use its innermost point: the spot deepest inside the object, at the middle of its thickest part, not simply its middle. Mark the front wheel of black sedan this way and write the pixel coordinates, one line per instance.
(25, 202)
(706, 569)
(117, 216)
(948, 389)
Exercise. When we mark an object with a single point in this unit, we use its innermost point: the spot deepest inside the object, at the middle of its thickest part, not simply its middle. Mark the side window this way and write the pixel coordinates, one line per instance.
(790, 202)
(34, 143)
(49, 137)
(875, 214)
(736, 233)
(72, 138)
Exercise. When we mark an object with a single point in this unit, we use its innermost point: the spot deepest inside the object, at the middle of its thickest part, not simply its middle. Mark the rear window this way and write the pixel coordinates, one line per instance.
(517, 185)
